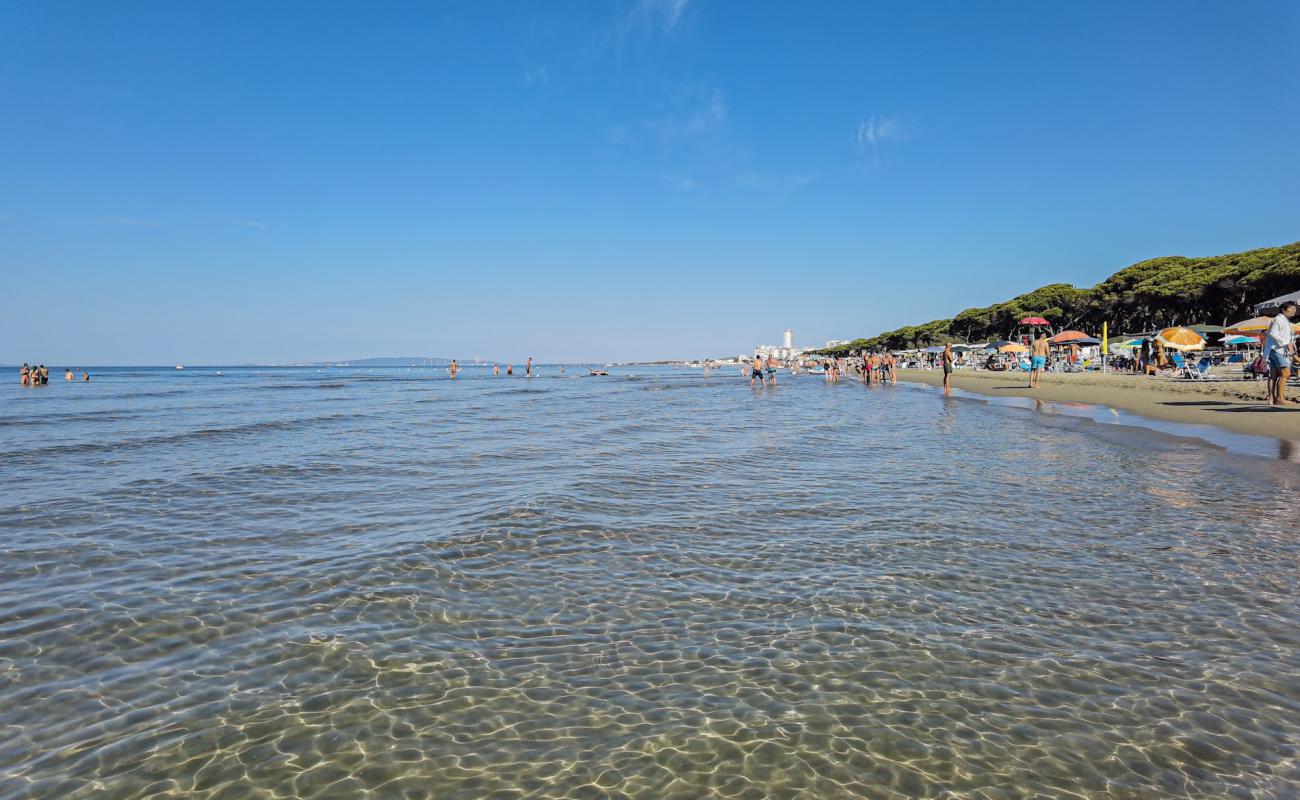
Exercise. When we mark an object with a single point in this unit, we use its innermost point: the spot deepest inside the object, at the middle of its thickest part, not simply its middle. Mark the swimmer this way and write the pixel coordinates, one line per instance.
(453, 369)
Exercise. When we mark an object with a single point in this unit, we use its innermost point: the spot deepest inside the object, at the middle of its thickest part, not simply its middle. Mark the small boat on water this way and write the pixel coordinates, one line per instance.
(180, 366)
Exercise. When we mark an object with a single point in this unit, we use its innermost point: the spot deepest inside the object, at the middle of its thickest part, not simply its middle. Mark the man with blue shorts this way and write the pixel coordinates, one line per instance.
(1037, 361)
(1278, 347)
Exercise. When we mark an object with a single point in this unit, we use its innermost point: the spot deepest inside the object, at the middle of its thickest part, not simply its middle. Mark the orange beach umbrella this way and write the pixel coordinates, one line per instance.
(1181, 339)
(1065, 337)
(1013, 348)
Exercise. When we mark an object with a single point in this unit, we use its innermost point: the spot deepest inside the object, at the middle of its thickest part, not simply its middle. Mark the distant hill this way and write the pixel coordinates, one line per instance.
(1149, 295)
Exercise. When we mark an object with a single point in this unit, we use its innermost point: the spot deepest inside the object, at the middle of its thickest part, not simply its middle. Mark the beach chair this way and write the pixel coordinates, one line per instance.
(1202, 368)
(1182, 369)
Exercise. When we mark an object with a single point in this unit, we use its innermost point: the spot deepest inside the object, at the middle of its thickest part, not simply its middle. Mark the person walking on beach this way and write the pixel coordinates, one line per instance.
(1037, 360)
(1279, 344)
(948, 360)
(453, 369)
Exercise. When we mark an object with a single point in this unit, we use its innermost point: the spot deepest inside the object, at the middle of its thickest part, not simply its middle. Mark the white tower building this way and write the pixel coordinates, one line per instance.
(788, 344)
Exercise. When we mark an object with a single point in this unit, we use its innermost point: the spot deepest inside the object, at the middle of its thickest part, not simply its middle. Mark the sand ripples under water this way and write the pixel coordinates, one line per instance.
(654, 585)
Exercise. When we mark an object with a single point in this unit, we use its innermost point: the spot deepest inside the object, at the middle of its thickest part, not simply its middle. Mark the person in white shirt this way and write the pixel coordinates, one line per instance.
(1278, 347)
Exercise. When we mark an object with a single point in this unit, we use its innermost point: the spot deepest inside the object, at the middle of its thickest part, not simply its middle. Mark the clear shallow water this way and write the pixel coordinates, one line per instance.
(316, 583)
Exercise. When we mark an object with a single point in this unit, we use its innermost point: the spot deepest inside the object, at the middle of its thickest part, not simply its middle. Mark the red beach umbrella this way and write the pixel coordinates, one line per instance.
(1035, 321)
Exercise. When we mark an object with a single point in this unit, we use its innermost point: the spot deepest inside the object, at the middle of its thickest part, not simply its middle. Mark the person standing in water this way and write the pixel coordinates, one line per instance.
(771, 370)
(756, 371)
(1037, 361)
(510, 369)
(948, 360)
(528, 368)
(496, 369)
(67, 375)
(453, 369)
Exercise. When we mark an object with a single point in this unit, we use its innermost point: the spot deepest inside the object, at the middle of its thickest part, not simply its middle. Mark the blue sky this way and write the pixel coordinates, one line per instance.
(218, 182)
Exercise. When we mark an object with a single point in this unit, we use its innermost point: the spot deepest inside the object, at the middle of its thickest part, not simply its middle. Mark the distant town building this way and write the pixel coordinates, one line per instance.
(786, 352)
(837, 342)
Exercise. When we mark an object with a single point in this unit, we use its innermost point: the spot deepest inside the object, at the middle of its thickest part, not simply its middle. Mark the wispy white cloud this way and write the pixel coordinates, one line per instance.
(879, 130)
(537, 75)
(653, 16)
(795, 180)
(250, 223)
(698, 112)
(126, 222)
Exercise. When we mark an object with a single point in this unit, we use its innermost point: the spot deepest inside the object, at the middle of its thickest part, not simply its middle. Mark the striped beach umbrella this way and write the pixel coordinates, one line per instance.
(1254, 325)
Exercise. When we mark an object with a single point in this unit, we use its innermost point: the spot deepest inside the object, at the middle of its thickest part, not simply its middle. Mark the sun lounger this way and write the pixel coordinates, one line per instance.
(1182, 369)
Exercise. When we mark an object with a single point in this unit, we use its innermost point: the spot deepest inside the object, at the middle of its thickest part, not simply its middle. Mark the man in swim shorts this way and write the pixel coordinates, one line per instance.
(1037, 361)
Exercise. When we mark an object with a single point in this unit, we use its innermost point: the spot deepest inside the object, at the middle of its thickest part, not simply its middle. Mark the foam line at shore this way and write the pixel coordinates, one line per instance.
(1233, 441)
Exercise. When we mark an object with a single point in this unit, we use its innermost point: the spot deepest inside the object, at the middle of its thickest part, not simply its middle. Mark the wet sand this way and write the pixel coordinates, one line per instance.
(1233, 404)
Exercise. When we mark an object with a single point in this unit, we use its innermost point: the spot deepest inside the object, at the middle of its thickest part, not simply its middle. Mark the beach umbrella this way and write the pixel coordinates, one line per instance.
(1180, 339)
(1254, 325)
(1013, 347)
(1085, 341)
(1068, 337)
(1240, 339)
(1034, 321)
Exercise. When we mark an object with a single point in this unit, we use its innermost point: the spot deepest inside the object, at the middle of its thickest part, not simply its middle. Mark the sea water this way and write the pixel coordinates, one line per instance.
(656, 584)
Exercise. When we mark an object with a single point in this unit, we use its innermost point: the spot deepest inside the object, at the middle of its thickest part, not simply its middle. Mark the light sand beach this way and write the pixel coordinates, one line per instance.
(1230, 403)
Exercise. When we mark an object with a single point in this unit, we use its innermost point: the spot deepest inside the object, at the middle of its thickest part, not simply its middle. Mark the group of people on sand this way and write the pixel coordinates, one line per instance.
(39, 375)
(454, 369)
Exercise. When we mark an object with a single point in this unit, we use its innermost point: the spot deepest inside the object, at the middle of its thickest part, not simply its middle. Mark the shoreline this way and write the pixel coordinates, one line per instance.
(1236, 406)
